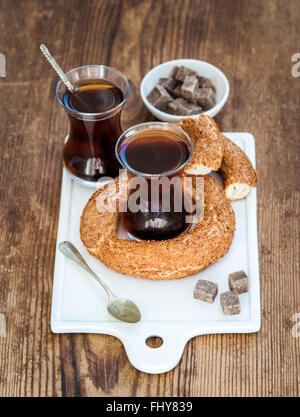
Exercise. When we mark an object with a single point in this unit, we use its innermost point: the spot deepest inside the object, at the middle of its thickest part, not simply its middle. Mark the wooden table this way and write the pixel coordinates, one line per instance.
(253, 43)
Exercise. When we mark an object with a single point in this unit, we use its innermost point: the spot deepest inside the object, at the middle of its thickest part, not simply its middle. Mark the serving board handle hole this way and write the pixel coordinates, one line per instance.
(154, 342)
(154, 353)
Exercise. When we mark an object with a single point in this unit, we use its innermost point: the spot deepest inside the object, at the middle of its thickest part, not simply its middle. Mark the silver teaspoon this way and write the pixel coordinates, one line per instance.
(120, 308)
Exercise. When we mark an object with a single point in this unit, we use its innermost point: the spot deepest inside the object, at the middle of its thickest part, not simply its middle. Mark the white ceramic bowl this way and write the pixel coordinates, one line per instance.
(203, 68)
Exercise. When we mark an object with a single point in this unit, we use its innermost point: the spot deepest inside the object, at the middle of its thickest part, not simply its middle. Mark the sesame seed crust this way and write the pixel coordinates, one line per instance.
(208, 144)
(237, 171)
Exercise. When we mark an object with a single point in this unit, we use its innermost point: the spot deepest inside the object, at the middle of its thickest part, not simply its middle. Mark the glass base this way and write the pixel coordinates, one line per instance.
(123, 232)
(91, 184)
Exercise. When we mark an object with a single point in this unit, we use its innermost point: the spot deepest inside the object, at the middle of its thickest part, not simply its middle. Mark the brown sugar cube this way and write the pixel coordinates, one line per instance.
(208, 84)
(206, 97)
(168, 83)
(161, 81)
(173, 107)
(173, 72)
(177, 106)
(201, 80)
(182, 72)
(189, 87)
(205, 290)
(188, 109)
(230, 303)
(238, 281)
(177, 91)
(181, 107)
(159, 97)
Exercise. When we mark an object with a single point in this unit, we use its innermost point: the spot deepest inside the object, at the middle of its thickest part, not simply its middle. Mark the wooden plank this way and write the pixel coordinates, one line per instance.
(252, 42)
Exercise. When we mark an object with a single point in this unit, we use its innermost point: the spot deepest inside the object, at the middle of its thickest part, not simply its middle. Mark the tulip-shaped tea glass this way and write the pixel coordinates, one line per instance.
(94, 114)
(154, 155)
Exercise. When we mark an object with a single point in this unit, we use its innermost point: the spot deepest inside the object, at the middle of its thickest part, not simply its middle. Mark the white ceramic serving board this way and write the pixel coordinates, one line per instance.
(168, 307)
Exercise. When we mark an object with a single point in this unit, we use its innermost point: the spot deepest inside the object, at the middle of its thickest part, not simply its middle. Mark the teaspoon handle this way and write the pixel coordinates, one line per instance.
(57, 68)
(69, 250)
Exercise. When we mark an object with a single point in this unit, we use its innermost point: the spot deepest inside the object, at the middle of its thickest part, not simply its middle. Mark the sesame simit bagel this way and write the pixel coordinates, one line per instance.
(213, 152)
(237, 171)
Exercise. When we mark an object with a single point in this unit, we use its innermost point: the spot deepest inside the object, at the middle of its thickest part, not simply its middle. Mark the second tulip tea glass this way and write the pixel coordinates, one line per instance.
(154, 156)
